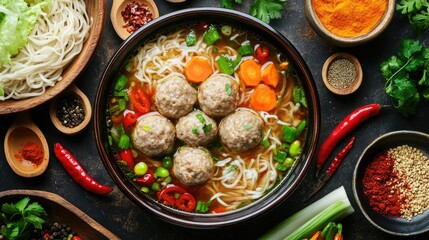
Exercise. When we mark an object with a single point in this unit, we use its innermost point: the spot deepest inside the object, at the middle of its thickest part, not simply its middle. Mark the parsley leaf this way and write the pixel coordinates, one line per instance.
(229, 3)
(417, 12)
(267, 9)
(406, 75)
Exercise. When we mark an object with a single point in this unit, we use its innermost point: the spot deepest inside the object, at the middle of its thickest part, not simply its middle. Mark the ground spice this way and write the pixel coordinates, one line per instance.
(349, 18)
(136, 15)
(70, 111)
(31, 152)
(341, 73)
(378, 183)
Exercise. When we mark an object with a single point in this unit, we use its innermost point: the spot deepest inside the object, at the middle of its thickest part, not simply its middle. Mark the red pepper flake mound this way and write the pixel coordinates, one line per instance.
(31, 152)
(379, 186)
(136, 15)
(397, 181)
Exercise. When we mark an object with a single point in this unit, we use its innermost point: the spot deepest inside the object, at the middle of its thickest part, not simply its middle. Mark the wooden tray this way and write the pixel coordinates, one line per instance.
(61, 211)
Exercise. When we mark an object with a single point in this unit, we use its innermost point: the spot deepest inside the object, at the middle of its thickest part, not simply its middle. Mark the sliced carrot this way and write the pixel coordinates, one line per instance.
(250, 73)
(198, 69)
(263, 98)
(270, 75)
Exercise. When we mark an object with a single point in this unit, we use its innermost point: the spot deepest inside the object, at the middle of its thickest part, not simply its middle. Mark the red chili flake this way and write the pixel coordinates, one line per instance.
(31, 152)
(136, 15)
(379, 183)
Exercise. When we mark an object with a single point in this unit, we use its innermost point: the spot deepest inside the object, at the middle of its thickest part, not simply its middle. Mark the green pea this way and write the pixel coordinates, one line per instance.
(140, 168)
(167, 162)
(288, 162)
(161, 172)
(295, 148)
(144, 189)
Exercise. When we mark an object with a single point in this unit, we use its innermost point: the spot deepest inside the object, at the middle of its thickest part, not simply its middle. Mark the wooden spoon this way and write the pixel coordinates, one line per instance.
(83, 99)
(118, 21)
(22, 132)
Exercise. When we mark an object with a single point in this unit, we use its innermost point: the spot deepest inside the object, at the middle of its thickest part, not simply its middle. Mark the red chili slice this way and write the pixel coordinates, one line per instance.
(129, 120)
(147, 180)
(127, 156)
(167, 195)
(262, 53)
(140, 101)
(186, 202)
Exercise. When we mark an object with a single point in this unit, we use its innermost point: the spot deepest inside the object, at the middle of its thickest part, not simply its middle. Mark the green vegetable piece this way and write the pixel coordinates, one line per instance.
(225, 65)
(145, 189)
(288, 162)
(280, 156)
(122, 104)
(161, 172)
(289, 134)
(140, 169)
(1, 90)
(195, 131)
(299, 96)
(211, 36)
(228, 89)
(267, 9)
(281, 167)
(201, 118)
(245, 49)
(128, 66)
(329, 232)
(295, 148)
(202, 207)
(156, 186)
(207, 128)
(191, 39)
(226, 30)
(121, 83)
(247, 127)
(167, 162)
(301, 126)
(265, 142)
(124, 142)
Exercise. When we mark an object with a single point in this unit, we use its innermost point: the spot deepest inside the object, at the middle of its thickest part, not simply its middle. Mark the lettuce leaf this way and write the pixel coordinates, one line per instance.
(17, 20)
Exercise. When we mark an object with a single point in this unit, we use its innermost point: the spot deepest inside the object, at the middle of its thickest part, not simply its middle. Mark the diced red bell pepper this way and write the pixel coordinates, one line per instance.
(186, 202)
(140, 101)
(129, 120)
(127, 156)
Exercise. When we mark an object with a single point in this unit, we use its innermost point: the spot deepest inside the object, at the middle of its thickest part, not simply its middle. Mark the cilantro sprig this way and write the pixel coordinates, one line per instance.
(266, 10)
(19, 217)
(417, 12)
(407, 76)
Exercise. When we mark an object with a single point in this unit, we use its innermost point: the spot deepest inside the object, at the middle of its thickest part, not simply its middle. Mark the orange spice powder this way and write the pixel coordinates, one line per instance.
(349, 18)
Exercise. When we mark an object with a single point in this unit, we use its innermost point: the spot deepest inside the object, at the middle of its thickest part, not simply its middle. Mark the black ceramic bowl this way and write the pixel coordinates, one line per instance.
(213, 15)
(396, 226)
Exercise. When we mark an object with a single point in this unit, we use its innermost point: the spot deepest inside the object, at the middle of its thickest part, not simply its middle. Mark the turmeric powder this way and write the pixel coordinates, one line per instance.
(349, 18)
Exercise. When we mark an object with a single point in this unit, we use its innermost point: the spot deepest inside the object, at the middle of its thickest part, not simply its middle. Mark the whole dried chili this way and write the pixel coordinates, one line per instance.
(31, 152)
(349, 123)
(378, 181)
(72, 166)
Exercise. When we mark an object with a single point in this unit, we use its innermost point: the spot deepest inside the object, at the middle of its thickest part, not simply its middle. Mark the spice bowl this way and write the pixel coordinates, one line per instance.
(342, 73)
(360, 31)
(71, 111)
(398, 226)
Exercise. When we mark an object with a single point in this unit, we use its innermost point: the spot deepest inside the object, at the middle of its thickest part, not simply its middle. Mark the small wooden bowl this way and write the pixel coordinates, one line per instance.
(118, 21)
(61, 211)
(76, 92)
(339, 41)
(96, 10)
(354, 85)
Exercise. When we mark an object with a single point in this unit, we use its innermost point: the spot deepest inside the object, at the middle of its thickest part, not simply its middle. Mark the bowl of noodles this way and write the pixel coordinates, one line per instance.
(59, 44)
(206, 123)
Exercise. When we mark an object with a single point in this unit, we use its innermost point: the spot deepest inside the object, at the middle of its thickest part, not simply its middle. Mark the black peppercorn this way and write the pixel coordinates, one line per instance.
(70, 111)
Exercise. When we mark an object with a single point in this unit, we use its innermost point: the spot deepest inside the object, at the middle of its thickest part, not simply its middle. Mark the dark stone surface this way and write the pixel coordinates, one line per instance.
(128, 221)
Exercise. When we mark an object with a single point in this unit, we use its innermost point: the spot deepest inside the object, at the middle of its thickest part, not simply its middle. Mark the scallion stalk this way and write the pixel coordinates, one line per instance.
(303, 224)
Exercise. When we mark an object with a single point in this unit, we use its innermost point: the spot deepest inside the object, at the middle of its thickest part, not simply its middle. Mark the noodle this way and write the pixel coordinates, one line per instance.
(56, 39)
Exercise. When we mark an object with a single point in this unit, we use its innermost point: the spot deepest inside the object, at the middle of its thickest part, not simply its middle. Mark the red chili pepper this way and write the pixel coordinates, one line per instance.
(76, 238)
(340, 156)
(186, 202)
(127, 156)
(147, 180)
(167, 195)
(262, 53)
(73, 167)
(342, 129)
(129, 120)
(140, 101)
(116, 119)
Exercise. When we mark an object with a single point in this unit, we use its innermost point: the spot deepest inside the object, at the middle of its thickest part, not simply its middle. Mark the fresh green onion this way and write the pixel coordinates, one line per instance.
(245, 49)
(202, 207)
(207, 128)
(120, 83)
(146, 128)
(128, 66)
(247, 127)
(124, 142)
(265, 142)
(280, 156)
(301, 126)
(211, 35)
(228, 89)
(226, 30)
(120, 94)
(299, 96)
(303, 224)
(288, 134)
(195, 130)
(191, 39)
(201, 118)
(122, 104)
(225, 65)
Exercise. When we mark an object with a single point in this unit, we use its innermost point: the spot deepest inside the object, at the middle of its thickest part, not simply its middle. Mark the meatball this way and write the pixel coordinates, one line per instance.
(153, 135)
(196, 128)
(218, 96)
(175, 97)
(192, 166)
(241, 131)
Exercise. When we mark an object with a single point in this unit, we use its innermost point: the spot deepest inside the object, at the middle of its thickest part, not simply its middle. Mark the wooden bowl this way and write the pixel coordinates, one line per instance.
(96, 10)
(61, 211)
(83, 99)
(354, 85)
(339, 41)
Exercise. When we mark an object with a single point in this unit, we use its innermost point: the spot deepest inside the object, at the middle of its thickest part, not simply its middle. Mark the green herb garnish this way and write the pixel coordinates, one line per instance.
(262, 9)
(202, 207)
(146, 128)
(247, 127)
(417, 12)
(228, 89)
(201, 118)
(195, 130)
(207, 128)
(407, 77)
